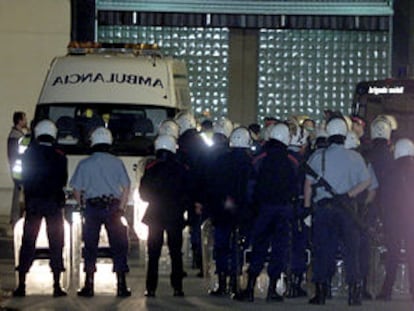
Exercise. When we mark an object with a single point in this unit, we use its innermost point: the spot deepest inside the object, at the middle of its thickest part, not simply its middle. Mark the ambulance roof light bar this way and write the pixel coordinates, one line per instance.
(89, 47)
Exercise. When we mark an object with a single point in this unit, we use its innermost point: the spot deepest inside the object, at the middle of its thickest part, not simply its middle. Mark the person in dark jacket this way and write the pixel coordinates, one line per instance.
(379, 154)
(189, 153)
(44, 176)
(276, 185)
(164, 186)
(230, 186)
(397, 195)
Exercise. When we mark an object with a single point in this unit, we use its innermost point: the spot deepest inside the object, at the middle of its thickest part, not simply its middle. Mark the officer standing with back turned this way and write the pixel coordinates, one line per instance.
(102, 183)
(339, 175)
(44, 175)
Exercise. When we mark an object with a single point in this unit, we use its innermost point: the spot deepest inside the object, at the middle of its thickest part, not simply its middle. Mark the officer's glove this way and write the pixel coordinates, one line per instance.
(308, 221)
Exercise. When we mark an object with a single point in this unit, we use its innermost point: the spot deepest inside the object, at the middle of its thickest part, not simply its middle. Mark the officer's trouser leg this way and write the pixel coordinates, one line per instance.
(154, 243)
(27, 250)
(118, 241)
(280, 249)
(175, 243)
(349, 233)
(323, 244)
(55, 234)
(261, 237)
(324, 248)
(391, 263)
(91, 229)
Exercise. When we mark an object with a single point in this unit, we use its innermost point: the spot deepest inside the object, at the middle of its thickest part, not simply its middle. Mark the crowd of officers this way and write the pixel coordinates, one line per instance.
(332, 187)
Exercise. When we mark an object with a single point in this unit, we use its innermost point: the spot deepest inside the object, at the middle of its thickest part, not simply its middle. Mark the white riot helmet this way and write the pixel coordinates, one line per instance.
(240, 138)
(321, 133)
(166, 142)
(185, 121)
(351, 141)
(281, 133)
(169, 127)
(101, 135)
(380, 128)
(336, 126)
(223, 126)
(267, 130)
(45, 127)
(390, 119)
(403, 147)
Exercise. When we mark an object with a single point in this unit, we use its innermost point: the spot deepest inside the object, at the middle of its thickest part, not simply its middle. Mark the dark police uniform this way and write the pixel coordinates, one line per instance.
(190, 148)
(343, 170)
(299, 231)
(231, 213)
(276, 185)
(103, 179)
(398, 196)
(44, 175)
(164, 186)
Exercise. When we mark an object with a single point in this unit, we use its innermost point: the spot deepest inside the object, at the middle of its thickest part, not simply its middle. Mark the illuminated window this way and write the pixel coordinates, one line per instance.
(307, 71)
(205, 51)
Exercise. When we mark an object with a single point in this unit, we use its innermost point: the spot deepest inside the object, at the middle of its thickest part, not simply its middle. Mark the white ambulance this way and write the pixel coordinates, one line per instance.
(129, 89)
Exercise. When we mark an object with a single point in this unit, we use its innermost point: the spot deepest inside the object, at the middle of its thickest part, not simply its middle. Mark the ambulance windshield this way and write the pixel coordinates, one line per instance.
(133, 127)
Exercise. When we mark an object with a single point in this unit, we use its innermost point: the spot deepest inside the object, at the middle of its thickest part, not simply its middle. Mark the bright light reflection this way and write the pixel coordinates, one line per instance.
(140, 207)
(39, 280)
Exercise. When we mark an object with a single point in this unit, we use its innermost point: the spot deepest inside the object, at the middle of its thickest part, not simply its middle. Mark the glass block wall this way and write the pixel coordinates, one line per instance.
(205, 51)
(307, 71)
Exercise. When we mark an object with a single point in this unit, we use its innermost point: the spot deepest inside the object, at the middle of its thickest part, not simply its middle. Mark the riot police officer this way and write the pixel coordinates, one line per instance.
(397, 194)
(44, 175)
(379, 154)
(299, 232)
(101, 183)
(364, 215)
(338, 175)
(231, 209)
(164, 186)
(276, 185)
(169, 127)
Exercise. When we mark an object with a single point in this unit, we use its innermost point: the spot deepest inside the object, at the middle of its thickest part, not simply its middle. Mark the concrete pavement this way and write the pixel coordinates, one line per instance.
(195, 294)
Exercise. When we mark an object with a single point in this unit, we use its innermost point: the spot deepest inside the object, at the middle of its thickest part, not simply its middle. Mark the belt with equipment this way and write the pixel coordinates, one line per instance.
(104, 201)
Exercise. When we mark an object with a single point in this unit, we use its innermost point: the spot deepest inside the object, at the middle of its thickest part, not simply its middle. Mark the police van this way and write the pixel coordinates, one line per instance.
(387, 97)
(130, 89)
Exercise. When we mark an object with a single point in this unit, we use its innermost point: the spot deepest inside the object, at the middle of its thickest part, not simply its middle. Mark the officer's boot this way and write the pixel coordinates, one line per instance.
(248, 293)
(57, 290)
(297, 285)
(290, 293)
(222, 286)
(87, 290)
(329, 289)
(320, 294)
(122, 289)
(354, 294)
(385, 293)
(272, 295)
(233, 285)
(20, 291)
(365, 293)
